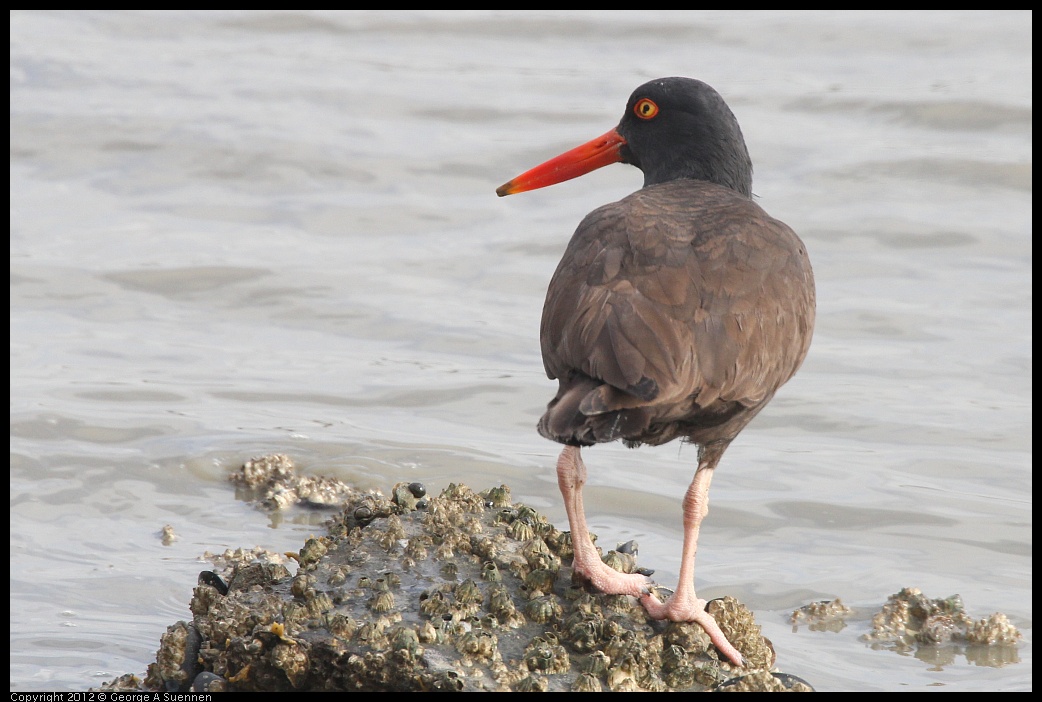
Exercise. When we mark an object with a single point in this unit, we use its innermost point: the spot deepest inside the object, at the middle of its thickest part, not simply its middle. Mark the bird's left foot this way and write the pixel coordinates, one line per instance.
(690, 609)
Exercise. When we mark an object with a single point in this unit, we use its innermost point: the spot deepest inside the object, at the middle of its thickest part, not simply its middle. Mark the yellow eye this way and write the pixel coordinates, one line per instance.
(645, 108)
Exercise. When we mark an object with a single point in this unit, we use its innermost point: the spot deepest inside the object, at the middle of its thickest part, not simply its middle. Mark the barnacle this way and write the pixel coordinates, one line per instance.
(546, 655)
(543, 609)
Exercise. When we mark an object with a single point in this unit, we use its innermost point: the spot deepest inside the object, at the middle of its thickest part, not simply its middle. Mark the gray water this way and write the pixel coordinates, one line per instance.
(241, 233)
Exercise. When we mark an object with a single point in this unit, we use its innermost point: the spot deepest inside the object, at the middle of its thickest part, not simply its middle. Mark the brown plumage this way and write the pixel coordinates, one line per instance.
(676, 312)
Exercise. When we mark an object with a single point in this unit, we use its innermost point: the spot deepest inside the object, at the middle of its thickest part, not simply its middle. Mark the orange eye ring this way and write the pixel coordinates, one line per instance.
(645, 108)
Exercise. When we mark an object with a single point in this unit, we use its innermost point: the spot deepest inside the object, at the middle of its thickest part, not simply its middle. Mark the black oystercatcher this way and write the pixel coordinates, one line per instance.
(676, 312)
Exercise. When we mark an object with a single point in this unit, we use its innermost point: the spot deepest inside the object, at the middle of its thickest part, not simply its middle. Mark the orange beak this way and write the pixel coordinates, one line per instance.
(571, 164)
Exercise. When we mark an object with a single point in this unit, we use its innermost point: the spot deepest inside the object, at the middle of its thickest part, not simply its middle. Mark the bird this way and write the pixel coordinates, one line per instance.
(675, 313)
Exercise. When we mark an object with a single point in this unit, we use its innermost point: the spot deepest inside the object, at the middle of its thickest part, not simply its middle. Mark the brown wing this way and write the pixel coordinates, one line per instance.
(678, 299)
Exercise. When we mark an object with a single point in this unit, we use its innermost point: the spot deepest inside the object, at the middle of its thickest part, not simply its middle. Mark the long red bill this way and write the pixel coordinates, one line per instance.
(571, 164)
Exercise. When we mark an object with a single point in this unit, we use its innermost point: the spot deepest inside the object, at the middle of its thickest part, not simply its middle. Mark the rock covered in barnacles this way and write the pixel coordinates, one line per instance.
(177, 662)
(273, 482)
(455, 591)
(938, 630)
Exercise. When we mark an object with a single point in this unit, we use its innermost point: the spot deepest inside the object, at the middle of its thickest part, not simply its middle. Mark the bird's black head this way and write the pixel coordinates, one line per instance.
(681, 128)
(673, 128)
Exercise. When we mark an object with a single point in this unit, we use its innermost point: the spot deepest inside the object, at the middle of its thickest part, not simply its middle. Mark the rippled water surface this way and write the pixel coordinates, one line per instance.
(239, 233)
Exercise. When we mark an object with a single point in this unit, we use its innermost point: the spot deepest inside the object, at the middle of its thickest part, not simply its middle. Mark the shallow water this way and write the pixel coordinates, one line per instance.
(239, 233)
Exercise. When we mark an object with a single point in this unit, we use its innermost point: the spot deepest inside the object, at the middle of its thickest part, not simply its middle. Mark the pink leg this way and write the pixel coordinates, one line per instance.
(684, 605)
(571, 476)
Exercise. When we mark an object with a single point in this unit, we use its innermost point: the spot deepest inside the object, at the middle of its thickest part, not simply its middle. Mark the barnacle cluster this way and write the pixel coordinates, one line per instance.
(939, 629)
(273, 482)
(463, 590)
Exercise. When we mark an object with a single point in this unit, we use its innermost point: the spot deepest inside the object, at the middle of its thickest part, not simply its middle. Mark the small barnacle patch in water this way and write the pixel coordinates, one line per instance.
(260, 471)
(996, 629)
(167, 535)
(826, 615)
(911, 621)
